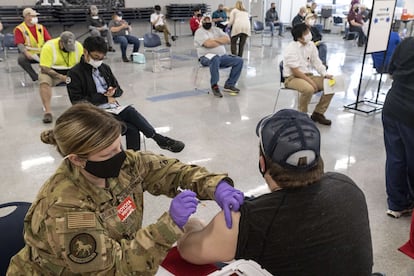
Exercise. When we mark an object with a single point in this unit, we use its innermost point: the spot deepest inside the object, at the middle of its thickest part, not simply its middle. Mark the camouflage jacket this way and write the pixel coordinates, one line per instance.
(76, 228)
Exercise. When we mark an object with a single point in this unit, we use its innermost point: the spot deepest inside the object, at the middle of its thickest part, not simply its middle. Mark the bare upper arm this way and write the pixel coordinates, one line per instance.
(214, 243)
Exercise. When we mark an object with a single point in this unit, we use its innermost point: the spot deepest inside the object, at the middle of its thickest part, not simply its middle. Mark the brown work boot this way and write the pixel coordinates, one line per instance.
(320, 118)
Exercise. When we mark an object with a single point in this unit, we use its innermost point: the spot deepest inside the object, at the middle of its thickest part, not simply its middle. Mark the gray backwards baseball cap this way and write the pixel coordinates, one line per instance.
(68, 39)
(290, 138)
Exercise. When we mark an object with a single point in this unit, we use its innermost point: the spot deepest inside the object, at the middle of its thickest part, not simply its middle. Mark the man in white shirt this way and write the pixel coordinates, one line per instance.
(209, 41)
(300, 58)
(159, 24)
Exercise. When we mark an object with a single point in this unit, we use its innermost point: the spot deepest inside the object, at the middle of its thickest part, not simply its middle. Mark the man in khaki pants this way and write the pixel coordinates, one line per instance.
(299, 60)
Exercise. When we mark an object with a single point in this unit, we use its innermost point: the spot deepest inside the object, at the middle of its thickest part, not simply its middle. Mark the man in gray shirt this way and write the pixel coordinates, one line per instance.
(272, 19)
(121, 32)
(209, 41)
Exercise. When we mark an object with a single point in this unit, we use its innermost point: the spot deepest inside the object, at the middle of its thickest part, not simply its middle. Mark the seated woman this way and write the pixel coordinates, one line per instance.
(87, 217)
(93, 81)
(98, 27)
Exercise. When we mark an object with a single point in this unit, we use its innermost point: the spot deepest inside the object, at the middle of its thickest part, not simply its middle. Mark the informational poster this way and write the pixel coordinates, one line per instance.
(380, 25)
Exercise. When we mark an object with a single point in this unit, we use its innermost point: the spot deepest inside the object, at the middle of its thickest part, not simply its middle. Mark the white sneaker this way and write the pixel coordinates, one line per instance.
(397, 214)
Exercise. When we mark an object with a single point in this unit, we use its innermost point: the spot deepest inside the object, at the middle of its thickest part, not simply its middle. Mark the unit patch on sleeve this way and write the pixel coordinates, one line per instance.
(82, 248)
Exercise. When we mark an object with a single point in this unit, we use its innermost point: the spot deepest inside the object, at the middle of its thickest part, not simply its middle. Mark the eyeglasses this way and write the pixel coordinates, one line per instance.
(95, 55)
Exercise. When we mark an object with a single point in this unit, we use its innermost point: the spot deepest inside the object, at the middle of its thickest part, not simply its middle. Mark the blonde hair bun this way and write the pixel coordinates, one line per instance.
(48, 137)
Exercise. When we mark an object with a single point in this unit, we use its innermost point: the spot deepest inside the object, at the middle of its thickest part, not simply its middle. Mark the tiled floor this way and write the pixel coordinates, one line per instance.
(219, 133)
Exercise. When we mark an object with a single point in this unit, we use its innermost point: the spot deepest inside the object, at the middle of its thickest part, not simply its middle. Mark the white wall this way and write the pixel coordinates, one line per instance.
(150, 3)
(17, 3)
(289, 9)
(409, 5)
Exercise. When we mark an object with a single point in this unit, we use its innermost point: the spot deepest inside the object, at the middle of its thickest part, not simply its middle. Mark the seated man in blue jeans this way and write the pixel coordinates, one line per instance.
(272, 19)
(121, 32)
(209, 41)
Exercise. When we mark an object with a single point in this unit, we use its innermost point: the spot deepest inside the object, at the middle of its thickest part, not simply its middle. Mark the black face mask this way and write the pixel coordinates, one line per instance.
(357, 10)
(64, 50)
(107, 168)
(273, 9)
(199, 15)
(220, 10)
(207, 25)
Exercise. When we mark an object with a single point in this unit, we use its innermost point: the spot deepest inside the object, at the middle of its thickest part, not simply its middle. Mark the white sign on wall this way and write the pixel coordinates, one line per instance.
(380, 26)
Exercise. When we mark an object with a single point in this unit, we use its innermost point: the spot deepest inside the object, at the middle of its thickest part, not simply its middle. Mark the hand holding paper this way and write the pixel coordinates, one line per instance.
(334, 84)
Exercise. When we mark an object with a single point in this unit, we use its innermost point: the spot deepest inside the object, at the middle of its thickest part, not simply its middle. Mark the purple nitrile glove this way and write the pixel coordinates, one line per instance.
(229, 199)
(182, 206)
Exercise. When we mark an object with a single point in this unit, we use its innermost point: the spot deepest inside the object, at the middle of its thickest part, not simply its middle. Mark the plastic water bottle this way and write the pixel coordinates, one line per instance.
(403, 33)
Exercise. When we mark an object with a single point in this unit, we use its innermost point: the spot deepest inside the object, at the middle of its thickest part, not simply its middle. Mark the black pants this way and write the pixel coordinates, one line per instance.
(361, 36)
(221, 26)
(242, 41)
(26, 64)
(135, 123)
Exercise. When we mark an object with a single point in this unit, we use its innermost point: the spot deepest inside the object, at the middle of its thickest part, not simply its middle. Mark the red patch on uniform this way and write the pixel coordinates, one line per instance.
(126, 208)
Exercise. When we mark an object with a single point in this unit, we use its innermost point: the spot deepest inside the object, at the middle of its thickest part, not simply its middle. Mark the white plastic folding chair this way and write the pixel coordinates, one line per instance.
(282, 86)
(260, 28)
(200, 73)
(160, 54)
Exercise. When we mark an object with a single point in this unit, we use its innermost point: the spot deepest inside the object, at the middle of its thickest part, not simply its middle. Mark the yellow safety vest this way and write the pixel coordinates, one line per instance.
(32, 46)
(52, 56)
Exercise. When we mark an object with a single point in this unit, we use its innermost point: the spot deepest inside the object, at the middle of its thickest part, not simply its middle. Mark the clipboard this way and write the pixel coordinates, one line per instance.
(335, 85)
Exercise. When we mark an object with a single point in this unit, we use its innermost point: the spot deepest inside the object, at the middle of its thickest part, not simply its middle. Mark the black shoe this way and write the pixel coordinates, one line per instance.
(216, 91)
(47, 118)
(173, 38)
(170, 144)
(231, 89)
(168, 44)
(110, 49)
(125, 59)
(320, 118)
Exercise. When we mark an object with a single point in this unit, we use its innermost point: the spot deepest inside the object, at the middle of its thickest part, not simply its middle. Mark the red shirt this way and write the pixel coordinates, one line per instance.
(355, 16)
(19, 38)
(194, 23)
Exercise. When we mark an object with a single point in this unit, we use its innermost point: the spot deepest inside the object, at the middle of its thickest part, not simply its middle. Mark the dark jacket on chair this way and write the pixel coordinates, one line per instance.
(81, 86)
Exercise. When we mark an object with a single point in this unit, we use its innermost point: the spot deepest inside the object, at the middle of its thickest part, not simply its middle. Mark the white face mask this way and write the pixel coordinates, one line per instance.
(95, 17)
(119, 18)
(307, 38)
(95, 63)
(311, 22)
(34, 20)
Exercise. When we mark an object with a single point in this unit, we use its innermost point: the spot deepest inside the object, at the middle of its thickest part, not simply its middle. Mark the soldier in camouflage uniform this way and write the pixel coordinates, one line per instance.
(88, 221)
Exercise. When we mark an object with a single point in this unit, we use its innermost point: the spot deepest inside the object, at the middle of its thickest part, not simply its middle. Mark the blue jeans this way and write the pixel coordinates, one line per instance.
(135, 123)
(124, 40)
(224, 61)
(323, 50)
(399, 166)
(272, 27)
